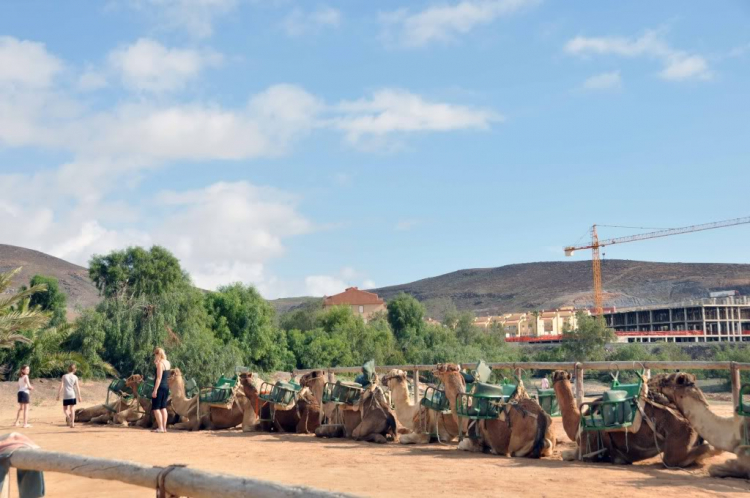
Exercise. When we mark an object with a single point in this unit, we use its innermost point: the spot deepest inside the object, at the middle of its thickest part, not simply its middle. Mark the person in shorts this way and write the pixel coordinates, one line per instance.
(71, 392)
(24, 386)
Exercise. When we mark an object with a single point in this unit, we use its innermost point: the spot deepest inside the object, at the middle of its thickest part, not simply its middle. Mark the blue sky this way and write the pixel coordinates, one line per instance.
(304, 146)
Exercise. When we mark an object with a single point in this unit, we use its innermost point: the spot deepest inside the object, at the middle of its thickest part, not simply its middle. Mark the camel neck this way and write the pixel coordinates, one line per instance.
(400, 395)
(571, 415)
(453, 387)
(719, 431)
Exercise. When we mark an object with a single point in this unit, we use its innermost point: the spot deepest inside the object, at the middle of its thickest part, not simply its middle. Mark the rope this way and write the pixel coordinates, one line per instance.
(161, 490)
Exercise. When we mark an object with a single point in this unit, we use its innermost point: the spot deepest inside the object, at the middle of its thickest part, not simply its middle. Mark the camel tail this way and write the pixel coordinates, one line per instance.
(541, 443)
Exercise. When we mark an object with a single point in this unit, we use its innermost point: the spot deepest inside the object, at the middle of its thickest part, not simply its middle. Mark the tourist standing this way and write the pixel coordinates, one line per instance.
(69, 388)
(161, 390)
(24, 386)
(545, 382)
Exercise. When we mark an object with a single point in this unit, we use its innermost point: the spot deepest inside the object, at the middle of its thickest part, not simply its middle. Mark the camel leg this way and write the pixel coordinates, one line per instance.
(374, 438)
(414, 438)
(696, 454)
(471, 445)
(738, 467)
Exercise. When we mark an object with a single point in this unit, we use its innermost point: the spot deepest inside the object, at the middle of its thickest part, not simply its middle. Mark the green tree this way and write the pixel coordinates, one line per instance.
(406, 316)
(239, 313)
(15, 314)
(301, 318)
(587, 340)
(135, 271)
(51, 300)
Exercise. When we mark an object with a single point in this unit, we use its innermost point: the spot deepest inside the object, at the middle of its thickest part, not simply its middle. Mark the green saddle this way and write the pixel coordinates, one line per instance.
(485, 401)
(434, 398)
(281, 393)
(220, 393)
(743, 408)
(147, 387)
(616, 410)
(343, 393)
(548, 401)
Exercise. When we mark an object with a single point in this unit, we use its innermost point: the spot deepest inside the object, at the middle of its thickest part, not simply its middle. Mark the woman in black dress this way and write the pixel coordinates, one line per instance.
(161, 390)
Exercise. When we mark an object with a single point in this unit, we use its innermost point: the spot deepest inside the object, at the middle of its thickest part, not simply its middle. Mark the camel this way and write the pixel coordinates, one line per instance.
(135, 413)
(523, 429)
(405, 408)
(371, 419)
(210, 417)
(676, 439)
(101, 414)
(302, 418)
(725, 433)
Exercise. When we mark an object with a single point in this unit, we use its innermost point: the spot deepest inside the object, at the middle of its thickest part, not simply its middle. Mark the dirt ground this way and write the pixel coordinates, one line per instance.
(352, 467)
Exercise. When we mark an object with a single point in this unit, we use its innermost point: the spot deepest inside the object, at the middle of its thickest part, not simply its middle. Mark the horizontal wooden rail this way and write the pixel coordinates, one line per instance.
(180, 481)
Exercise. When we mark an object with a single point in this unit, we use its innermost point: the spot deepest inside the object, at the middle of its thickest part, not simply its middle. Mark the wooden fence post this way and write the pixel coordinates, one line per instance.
(416, 386)
(579, 383)
(735, 378)
(330, 376)
(648, 374)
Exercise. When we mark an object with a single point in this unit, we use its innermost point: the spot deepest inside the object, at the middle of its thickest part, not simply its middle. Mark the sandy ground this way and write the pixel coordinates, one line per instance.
(358, 468)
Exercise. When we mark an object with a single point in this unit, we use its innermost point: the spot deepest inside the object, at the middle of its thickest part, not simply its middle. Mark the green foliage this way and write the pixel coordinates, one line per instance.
(242, 317)
(51, 300)
(17, 320)
(587, 341)
(406, 316)
(135, 271)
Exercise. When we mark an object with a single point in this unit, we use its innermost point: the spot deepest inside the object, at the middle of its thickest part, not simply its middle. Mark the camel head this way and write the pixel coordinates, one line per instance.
(561, 376)
(175, 380)
(679, 386)
(312, 378)
(250, 382)
(133, 382)
(395, 376)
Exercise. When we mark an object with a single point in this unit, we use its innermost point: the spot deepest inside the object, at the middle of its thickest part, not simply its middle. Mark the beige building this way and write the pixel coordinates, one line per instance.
(533, 324)
(362, 303)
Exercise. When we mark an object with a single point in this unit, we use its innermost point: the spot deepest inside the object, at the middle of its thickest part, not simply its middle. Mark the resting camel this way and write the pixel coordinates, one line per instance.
(725, 433)
(102, 414)
(405, 408)
(211, 417)
(302, 418)
(132, 414)
(676, 439)
(522, 430)
(372, 419)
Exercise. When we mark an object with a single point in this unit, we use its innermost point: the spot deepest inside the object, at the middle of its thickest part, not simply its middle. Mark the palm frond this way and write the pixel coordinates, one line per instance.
(7, 278)
(15, 321)
(8, 300)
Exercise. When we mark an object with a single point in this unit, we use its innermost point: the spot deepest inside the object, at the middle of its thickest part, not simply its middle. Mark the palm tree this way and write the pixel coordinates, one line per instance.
(15, 315)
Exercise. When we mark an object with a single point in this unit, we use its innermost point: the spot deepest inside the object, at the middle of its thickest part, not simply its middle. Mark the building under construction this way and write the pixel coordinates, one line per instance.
(704, 320)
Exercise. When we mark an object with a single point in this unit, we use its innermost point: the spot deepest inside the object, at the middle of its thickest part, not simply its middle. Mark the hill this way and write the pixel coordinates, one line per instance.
(546, 285)
(528, 286)
(73, 279)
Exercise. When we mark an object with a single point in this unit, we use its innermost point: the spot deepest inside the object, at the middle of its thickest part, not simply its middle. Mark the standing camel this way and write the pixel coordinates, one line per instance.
(725, 433)
(675, 437)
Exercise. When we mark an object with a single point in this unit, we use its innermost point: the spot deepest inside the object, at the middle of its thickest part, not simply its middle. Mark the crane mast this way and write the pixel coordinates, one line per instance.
(596, 244)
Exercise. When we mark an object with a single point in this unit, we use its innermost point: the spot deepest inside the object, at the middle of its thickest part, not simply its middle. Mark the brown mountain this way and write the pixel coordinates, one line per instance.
(73, 279)
(528, 286)
(546, 285)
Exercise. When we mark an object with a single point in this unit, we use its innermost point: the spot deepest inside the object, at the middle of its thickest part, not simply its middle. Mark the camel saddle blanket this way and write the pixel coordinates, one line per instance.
(229, 402)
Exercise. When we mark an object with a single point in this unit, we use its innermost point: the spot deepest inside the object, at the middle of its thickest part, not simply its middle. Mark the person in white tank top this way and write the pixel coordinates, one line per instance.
(24, 386)
(69, 387)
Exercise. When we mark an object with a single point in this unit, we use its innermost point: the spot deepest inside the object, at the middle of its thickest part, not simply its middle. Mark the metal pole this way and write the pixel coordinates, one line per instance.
(735, 378)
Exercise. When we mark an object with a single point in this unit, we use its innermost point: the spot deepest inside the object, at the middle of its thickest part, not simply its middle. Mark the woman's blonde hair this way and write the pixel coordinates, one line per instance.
(160, 353)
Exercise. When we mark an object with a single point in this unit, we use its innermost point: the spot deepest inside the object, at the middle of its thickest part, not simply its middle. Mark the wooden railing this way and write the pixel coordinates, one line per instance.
(577, 367)
(174, 480)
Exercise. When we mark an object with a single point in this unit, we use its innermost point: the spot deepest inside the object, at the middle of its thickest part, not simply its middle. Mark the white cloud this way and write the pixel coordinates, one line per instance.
(677, 64)
(91, 79)
(299, 23)
(328, 285)
(227, 232)
(443, 23)
(392, 110)
(195, 17)
(147, 65)
(603, 81)
(26, 63)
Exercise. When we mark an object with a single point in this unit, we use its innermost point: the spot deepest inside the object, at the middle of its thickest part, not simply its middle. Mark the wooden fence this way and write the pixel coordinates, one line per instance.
(577, 367)
(175, 480)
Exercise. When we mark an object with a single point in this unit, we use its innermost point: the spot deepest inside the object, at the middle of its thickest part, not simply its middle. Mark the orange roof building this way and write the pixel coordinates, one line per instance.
(362, 303)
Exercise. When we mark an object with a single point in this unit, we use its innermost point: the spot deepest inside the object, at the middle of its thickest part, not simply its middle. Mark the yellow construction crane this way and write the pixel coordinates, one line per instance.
(596, 244)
